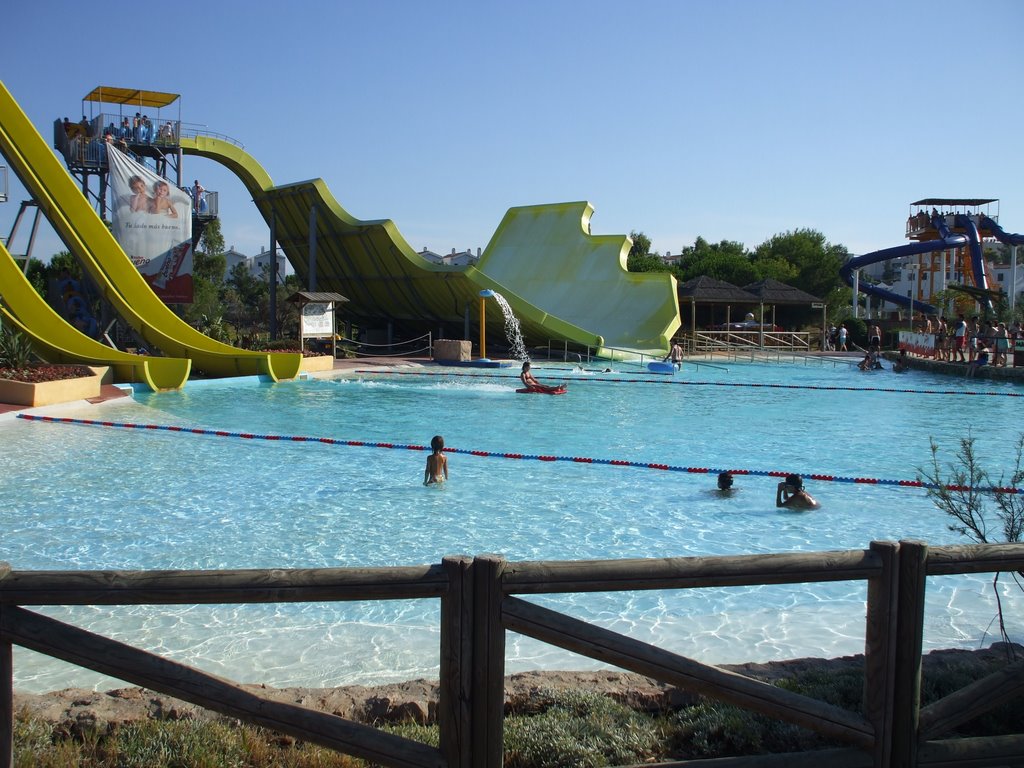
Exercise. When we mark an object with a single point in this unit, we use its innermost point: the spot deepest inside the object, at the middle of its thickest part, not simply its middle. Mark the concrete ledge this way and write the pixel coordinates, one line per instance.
(317, 364)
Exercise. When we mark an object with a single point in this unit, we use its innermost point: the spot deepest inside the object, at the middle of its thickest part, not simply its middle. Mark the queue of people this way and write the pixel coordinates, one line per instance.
(971, 341)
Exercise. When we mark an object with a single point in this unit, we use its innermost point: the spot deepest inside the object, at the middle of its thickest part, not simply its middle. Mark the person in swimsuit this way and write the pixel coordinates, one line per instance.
(530, 382)
(437, 463)
(791, 493)
(676, 353)
(725, 484)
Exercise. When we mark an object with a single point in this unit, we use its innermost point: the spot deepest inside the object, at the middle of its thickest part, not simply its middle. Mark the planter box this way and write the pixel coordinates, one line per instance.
(50, 392)
(316, 364)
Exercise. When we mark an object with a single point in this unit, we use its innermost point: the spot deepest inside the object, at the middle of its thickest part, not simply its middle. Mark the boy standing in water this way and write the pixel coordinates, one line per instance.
(437, 463)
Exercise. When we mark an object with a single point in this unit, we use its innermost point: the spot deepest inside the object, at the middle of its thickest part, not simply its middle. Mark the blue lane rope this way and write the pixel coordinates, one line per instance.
(519, 456)
(604, 379)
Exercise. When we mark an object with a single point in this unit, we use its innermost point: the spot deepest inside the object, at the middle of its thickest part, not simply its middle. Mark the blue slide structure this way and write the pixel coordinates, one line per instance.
(947, 240)
(997, 232)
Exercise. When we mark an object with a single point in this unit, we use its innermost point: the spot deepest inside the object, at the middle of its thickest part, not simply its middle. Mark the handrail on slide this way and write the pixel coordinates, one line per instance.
(58, 341)
(119, 281)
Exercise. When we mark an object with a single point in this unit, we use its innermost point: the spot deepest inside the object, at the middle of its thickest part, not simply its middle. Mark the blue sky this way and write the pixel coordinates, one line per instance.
(732, 120)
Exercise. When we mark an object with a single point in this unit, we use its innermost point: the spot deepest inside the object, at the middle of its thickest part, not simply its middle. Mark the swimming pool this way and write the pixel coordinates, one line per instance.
(91, 497)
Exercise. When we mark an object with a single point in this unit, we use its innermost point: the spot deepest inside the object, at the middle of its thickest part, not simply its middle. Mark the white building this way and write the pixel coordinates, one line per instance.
(256, 265)
(260, 263)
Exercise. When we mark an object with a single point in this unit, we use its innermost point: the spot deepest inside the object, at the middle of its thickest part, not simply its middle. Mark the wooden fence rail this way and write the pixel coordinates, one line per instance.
(480, 602)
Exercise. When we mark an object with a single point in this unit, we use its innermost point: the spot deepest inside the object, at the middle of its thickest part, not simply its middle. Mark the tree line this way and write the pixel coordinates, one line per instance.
(802, 258)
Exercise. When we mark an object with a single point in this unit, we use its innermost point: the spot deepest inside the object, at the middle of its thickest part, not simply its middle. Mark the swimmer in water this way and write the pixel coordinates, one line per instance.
(791, 493)
(436, 470)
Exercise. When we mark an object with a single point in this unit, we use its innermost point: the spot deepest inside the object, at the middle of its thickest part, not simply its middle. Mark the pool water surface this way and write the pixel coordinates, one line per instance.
(85, 497)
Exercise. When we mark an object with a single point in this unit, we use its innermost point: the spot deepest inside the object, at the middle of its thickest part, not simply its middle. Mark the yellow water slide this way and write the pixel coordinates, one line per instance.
(561, 282)
(58, 342)
(120, 283)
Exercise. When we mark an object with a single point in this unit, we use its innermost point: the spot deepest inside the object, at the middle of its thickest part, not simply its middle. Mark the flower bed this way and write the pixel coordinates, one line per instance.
(43, 384)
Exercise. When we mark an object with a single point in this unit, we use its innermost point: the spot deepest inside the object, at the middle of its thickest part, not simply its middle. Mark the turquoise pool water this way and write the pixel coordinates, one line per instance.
(91, 497)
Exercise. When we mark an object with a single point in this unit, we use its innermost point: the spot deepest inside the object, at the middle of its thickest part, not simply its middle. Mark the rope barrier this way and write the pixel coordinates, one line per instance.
(605, 379)
(517, 456)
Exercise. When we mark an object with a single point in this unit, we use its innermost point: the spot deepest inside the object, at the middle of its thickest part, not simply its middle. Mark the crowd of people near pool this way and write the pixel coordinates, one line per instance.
(971, 341)
(967, 341)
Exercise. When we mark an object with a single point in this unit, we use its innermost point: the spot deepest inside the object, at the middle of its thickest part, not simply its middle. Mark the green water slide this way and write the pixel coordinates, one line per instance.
(119, 282)
(561, 282)
(57, 341)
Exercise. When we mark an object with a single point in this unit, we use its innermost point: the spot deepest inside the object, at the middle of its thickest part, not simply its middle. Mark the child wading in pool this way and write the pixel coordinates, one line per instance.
(437, 463)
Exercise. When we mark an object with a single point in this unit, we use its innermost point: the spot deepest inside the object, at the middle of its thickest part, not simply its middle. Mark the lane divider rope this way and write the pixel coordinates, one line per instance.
(605, 379)
(519, 456)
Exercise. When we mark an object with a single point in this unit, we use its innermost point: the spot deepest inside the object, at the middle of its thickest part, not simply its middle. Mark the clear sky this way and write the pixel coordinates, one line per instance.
(732, 119)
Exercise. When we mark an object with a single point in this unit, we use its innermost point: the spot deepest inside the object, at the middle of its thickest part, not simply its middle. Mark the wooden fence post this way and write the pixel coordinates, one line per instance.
(488, 689)
(880, 649)
(454, 706)
(913, 561)
(6, 693)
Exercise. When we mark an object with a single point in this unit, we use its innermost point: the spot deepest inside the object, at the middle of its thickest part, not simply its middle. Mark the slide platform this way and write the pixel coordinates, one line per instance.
(561, 282)
(119, 282)
(57, 341)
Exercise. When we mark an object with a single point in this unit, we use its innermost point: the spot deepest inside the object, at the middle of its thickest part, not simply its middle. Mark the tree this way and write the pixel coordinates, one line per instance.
(65, 260)
(208, 267)
(640, 258)
(983, 509)
(39, 275)
(803, 258)
(726, 260)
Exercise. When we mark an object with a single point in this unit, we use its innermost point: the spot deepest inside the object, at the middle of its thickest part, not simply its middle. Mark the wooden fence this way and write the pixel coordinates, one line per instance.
(480, 603)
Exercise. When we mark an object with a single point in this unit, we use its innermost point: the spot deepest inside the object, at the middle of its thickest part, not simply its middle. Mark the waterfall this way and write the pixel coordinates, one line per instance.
(512, 329)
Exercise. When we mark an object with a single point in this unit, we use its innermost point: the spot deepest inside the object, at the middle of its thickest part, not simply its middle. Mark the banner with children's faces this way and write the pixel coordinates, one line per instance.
(152, 220)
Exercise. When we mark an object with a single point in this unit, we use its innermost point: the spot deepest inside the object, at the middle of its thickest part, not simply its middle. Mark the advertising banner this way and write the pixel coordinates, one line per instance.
(922, 344)
(152, 220)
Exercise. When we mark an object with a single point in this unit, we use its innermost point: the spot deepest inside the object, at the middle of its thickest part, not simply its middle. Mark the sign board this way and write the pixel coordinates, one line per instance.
(817, 305)
(317, 320)
(922, 344)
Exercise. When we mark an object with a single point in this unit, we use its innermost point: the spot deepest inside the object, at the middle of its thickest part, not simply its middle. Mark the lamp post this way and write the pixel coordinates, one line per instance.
(485, 294)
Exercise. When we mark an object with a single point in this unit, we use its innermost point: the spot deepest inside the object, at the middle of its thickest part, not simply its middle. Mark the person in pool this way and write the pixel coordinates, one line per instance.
(530, 381)
(725, 483)
(791, 493)
(436, 470)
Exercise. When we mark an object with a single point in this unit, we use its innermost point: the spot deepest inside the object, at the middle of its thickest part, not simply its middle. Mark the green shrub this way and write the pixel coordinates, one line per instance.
(15, 349)
(578, 728)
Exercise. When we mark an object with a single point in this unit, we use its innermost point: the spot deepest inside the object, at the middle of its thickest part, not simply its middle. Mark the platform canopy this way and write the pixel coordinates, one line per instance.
(956, 201)
(106, 94)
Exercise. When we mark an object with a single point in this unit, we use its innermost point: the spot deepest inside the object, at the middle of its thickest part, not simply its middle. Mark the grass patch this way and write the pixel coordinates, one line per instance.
(547, 729)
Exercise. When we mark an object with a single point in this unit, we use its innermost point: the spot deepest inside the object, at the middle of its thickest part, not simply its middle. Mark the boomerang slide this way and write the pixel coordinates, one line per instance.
(120, 283)
(541, 259)
(946, 240)
(59, 342)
